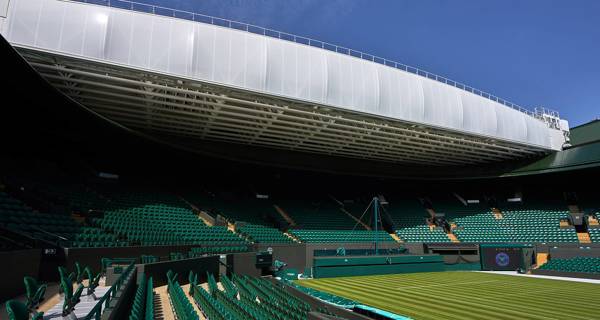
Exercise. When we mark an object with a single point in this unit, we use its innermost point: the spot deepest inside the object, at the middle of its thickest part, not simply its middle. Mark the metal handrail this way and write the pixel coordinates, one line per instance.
(96, 311)
(198, 17)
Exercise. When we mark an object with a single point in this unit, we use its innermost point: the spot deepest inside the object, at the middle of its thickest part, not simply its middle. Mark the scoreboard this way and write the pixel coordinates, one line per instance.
(506, 257)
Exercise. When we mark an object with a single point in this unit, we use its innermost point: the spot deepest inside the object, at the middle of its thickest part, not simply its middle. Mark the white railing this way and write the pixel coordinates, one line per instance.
(198, 17)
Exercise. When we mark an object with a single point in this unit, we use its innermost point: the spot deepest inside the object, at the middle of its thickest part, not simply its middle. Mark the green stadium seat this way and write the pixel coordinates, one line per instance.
(70, 298)
(92, 280)
(16, 310)
(259, 233)
(339, 236)
(34, 292)
(577, 264)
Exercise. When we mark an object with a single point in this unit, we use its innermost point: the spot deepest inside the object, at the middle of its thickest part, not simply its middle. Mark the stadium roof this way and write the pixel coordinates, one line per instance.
(391, 116)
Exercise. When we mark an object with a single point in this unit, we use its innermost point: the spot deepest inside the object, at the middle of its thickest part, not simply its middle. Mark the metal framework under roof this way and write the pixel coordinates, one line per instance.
(160, 105)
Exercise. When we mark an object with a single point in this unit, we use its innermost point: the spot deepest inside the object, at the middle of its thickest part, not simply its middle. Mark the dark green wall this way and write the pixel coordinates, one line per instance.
(585, 133)
(354, 266)
(578, 157)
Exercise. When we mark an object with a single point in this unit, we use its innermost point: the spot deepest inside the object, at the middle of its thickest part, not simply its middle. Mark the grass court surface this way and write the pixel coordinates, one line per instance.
(468, 295)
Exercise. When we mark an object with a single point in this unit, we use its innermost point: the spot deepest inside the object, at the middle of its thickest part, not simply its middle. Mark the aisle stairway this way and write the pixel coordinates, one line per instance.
(452, 237)
(284, 215)
(364, 225)
(292, 237)
(541, 259)
(584, 237)
(395, 237)
(259, 233)
(497, 213)
(163, 308)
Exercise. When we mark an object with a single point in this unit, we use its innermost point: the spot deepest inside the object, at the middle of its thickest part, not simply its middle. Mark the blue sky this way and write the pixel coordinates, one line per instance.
(530, 52)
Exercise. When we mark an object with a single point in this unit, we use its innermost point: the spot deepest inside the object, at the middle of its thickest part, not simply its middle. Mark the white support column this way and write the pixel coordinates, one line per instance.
(3, 14)
(4, 8)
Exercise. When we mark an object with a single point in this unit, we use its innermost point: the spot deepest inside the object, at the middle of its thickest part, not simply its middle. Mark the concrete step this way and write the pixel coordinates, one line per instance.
(289, 235)
(584, 237)
(452, 237)
(82, 308)
(541, 259)
(186, 289)
(162, 306)
(395, 237)
(351, 216)
(497, 214)
(284, 215)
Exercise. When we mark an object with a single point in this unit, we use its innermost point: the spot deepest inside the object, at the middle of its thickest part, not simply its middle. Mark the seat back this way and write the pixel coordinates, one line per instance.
(67, 287)
(16, 310)
(77, 294)
(31, 286)
(79, 272)
(64, 273)
(171, 276)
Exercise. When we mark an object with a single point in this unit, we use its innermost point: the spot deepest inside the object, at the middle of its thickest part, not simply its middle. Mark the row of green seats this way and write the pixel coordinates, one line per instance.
(199, 251)
(248, 298)
(515, 226)
(143, 302)
(16, 310)
(321, 214)
(95, 244)
(577, 264)
(325, 236)
(50, 227)
(279, 303)
(176, 256)
(259, 233)
(595, 234)
(422, 233)
(182, 307)
(148, 259)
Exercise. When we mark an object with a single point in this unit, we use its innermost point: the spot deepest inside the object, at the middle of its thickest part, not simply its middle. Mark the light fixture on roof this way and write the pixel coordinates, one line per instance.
(102, 18)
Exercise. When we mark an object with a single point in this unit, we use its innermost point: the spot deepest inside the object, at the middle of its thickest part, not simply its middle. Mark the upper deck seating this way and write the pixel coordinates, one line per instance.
(259, 233)
(515, 226)
(578, 264)
(327, 236)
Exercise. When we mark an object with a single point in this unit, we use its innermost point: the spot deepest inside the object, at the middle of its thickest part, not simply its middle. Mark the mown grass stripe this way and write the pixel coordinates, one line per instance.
(464, 295)
(560, 314)
(445, 300)
(417, 310)
(411, 300)
(496, 292)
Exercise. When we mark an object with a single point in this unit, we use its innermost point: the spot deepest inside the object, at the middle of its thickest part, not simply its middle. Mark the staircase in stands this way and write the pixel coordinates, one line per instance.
(351, 216)
(452, 237)
(541, 259)
(497, 213)
(395, 237)
(584, 237)
(284, 215)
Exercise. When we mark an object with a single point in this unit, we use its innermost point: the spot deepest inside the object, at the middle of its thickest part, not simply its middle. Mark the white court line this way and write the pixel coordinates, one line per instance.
(448, 284)
(513, 273)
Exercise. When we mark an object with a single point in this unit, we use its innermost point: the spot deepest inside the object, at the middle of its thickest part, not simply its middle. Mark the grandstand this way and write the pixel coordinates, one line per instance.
(134, 187)
(516, 226)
